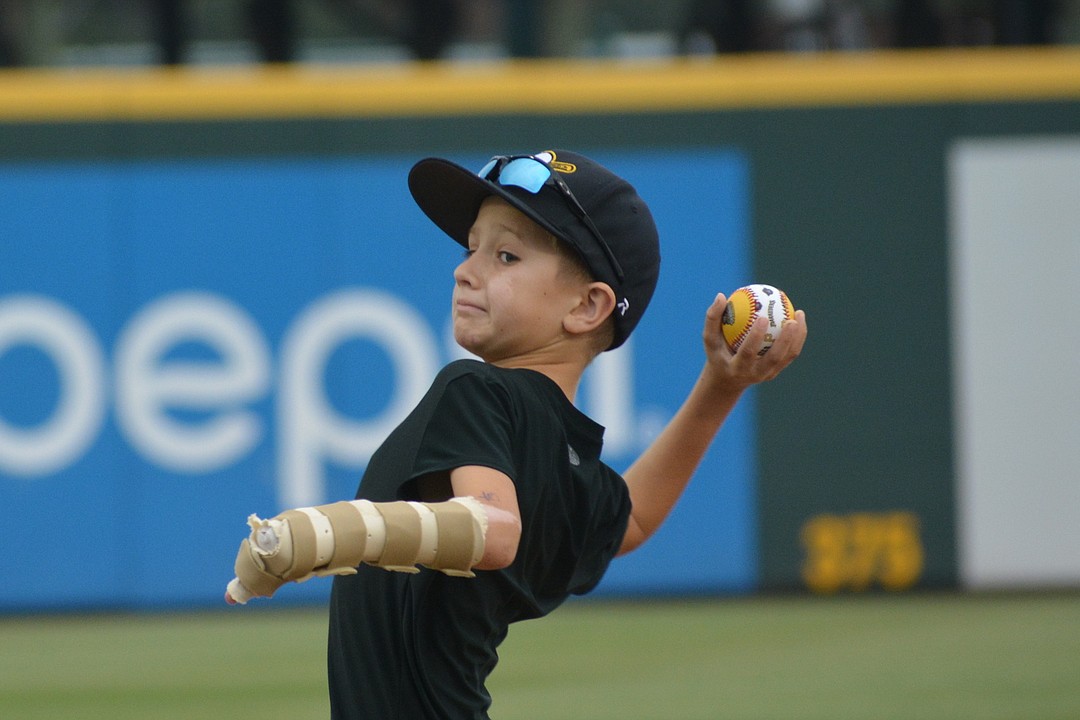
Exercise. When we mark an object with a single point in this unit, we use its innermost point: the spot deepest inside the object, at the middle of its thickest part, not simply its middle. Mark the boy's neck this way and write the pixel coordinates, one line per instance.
(564, 373)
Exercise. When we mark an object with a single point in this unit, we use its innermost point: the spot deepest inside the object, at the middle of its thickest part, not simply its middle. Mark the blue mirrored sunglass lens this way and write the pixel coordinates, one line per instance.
(484, 171)
(525, 173)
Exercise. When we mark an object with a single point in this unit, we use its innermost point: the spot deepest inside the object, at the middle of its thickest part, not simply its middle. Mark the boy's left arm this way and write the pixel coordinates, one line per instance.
(496, 492)
(661, 473)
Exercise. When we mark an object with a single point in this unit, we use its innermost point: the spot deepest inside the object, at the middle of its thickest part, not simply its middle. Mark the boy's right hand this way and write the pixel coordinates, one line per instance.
(747, 367)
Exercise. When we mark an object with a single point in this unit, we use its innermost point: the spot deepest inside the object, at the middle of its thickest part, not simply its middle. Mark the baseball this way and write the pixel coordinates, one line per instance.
(746, 304)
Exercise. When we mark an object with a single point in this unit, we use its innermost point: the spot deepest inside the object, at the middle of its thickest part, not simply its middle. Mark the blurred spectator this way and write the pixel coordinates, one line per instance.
(1026, 22)
(10, 24)
(727, 26)
(273, 29)
(917, 24)
(271, 23)
(554, 28)
(524, 19)
(800, 24)
(171, 30)
(847, 26)
(722, 26)
(426, 27)
(9, 53)
(432, 25)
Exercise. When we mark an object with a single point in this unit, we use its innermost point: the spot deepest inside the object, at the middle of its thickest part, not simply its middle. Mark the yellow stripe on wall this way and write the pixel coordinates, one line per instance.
(543, 87)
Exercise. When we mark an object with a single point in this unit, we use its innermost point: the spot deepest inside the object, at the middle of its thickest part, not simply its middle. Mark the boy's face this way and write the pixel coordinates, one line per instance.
(513, 289)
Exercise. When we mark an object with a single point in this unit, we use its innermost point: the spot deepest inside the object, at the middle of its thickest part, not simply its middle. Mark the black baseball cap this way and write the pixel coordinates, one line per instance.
(584, 204)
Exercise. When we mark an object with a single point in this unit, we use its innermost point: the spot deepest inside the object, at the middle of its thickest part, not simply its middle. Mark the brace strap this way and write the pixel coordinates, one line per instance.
(334, 539)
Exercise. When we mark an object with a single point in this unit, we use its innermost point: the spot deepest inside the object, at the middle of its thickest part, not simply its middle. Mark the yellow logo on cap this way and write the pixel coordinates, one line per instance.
(548, 156)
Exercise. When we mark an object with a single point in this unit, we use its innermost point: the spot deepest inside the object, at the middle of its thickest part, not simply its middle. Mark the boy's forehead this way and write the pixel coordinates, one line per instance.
(495, 209)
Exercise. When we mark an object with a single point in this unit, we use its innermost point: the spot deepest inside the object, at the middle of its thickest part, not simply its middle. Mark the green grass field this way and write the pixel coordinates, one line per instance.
(912, 657)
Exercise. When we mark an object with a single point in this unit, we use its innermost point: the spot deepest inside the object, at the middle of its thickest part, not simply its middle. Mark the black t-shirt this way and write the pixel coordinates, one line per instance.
(417, 646)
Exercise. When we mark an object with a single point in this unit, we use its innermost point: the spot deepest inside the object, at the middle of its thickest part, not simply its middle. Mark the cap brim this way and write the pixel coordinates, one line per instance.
(451, 195)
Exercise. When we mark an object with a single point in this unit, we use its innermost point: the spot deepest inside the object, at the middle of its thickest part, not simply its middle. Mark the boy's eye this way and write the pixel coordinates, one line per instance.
(467, 253)
(507, 257)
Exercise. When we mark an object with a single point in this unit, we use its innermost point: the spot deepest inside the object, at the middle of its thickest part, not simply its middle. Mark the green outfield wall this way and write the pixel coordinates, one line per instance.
(849, 212)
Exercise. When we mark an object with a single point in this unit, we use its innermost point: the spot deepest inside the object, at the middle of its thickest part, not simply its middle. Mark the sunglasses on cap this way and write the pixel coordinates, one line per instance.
(531, 174)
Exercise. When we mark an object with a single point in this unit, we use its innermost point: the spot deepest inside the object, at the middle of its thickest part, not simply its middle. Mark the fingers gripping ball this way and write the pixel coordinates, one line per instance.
(749, 303)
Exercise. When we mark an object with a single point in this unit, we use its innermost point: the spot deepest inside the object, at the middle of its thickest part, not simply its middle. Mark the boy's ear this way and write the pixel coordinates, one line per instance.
(596, 305)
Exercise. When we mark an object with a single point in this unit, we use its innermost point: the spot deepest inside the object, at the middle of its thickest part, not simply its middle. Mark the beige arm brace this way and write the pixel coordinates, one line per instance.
(334, 539)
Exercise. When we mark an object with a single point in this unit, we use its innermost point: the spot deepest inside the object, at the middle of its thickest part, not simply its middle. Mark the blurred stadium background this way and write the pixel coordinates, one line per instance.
(132, 32)
(216, 296)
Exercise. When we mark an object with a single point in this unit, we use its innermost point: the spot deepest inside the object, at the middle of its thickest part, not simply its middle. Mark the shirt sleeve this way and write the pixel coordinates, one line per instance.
(471, 424)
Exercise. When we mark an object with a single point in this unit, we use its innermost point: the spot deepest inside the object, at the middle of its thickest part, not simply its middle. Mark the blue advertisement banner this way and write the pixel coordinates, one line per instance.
(186, 342)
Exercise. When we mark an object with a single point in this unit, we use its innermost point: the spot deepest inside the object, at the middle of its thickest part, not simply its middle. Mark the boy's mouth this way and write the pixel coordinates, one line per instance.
(466, 307)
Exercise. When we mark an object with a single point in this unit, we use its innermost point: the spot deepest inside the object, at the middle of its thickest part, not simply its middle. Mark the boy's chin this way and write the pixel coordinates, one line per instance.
(471, 345)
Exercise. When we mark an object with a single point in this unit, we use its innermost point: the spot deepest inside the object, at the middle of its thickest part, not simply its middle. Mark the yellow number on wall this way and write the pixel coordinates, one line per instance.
(852, 552)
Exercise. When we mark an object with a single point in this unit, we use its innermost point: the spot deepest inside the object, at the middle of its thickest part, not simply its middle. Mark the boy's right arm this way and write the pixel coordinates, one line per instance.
(659, 476)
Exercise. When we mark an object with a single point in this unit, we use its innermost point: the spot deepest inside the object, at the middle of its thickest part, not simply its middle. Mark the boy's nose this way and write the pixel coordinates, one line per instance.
(465, 273)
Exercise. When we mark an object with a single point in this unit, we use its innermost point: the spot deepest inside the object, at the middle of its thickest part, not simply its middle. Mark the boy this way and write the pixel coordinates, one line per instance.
(495, 479)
